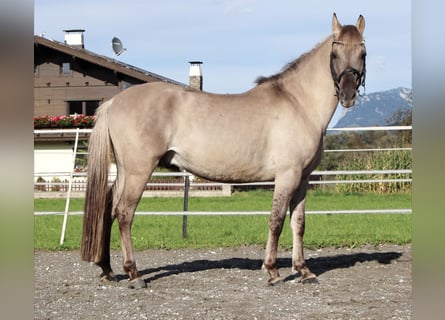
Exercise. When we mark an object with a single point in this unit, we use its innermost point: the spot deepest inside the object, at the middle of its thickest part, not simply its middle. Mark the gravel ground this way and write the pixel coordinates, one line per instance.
(370, 282)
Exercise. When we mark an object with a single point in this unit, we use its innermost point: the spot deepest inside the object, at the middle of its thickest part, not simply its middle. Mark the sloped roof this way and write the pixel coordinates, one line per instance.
(103, 61)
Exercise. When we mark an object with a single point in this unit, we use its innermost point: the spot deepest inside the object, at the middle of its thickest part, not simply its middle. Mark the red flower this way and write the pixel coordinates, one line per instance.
(63, 121)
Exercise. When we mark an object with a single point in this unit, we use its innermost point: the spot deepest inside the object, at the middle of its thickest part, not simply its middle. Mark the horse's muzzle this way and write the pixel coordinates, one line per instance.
(348, 89)
(348, 102)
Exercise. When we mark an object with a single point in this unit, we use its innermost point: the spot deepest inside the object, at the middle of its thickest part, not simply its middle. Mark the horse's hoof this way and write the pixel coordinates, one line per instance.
(310, 280)
(137, 283)
(108, 277)
(274, 281)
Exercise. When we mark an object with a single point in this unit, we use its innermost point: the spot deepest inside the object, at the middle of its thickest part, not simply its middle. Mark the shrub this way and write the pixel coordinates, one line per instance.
(40, 187)
(56, 184)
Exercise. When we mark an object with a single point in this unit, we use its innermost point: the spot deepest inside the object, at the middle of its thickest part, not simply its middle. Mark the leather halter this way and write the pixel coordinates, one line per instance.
(359, 76)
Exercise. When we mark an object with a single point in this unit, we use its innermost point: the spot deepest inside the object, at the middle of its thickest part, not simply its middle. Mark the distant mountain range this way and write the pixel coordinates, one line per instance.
(376, 109)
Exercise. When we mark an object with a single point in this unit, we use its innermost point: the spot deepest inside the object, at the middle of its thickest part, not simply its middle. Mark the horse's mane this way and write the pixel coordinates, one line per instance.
(291, 66)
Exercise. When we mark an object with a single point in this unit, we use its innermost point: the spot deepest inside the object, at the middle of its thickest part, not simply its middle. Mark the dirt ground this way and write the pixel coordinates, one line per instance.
(371, 282)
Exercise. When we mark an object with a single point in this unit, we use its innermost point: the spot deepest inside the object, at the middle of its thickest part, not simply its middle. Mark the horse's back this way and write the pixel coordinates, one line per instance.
(238, 137)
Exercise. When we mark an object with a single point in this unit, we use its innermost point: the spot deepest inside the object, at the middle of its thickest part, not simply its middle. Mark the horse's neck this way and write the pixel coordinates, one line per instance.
(312, 85)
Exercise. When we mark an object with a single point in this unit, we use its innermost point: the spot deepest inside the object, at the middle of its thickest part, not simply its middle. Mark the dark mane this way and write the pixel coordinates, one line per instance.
(291, 66)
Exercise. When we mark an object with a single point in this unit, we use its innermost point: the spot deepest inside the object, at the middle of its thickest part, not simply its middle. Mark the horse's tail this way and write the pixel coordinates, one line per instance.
(97, 215)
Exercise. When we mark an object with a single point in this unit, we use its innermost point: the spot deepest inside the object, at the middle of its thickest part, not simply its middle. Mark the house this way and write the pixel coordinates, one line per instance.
(69, 79)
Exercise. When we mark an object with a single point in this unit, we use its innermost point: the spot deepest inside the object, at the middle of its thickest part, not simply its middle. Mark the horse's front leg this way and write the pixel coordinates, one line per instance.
(297, 223)
(105, 263)
(282, 194)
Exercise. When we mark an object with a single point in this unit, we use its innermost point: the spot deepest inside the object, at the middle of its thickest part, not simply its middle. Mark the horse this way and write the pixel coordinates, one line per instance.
(272, 132)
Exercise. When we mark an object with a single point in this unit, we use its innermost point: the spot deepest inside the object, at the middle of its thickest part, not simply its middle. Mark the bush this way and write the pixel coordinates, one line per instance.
(40, 187)
(56, 186)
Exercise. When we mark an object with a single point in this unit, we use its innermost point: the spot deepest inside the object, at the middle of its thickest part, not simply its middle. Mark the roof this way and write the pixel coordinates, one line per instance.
(103, 61)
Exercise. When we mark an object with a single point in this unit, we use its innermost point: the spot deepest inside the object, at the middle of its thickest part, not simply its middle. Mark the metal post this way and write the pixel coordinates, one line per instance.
(186, 205)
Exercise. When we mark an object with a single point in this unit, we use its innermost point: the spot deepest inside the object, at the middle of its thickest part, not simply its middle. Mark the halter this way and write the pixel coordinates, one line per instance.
(359, 76)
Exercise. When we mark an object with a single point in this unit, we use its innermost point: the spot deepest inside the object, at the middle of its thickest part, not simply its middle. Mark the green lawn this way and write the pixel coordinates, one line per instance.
(216, 231)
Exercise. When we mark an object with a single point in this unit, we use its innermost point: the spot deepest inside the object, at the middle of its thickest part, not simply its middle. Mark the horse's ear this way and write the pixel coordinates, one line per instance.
(336, 26)
(361, 24)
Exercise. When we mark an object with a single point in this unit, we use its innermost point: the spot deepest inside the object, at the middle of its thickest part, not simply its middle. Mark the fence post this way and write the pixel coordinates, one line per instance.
(70, 183)
(186, 205)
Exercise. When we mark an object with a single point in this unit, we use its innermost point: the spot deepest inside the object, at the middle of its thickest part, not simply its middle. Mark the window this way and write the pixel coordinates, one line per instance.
(65, 68)
(90, 107)
(75, 107)
(87, 108)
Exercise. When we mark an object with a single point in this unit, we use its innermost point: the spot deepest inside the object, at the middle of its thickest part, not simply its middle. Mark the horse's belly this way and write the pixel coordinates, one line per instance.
(224, 167)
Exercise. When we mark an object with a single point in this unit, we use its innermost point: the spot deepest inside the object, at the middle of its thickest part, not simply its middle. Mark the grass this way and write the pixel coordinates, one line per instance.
(220, 231)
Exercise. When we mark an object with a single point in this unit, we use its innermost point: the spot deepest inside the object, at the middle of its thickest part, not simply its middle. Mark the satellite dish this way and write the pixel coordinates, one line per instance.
(118, 48)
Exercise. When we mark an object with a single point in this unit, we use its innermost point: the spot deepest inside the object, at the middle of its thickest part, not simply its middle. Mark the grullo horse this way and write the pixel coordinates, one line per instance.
(272, 132)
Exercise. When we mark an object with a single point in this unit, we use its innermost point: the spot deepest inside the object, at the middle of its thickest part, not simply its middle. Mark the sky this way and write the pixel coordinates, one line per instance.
(237, 40)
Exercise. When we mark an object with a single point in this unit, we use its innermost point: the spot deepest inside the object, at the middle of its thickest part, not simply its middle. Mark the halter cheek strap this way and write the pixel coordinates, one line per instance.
(359, 76)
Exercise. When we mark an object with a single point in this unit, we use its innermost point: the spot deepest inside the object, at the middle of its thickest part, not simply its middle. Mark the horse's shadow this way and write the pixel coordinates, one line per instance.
(318, 265)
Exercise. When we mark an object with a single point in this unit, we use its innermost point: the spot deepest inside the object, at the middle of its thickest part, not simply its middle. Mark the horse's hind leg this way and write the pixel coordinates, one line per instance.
(105, 263)
(297, 208)
(130, 190)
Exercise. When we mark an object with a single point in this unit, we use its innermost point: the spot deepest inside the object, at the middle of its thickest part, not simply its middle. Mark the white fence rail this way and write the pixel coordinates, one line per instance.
(82, 183)
(238, 213)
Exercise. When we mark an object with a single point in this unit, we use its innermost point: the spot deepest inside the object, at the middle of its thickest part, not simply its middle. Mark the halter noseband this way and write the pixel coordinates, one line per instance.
(359, 76)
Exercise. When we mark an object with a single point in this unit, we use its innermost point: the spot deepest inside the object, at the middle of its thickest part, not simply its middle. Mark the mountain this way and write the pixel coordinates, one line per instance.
(376, 109)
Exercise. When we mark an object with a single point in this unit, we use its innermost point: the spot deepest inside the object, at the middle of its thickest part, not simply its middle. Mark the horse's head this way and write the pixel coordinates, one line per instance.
(348, 56)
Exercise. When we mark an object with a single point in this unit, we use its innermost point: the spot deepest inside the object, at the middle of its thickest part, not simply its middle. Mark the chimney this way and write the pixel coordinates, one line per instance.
(74, 38)
(195, 75)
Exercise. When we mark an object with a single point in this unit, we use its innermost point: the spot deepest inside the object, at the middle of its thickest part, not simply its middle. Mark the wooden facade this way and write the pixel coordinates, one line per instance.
(70, 79)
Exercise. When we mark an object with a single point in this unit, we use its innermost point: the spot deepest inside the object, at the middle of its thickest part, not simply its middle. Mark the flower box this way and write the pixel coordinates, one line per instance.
(64, 122)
